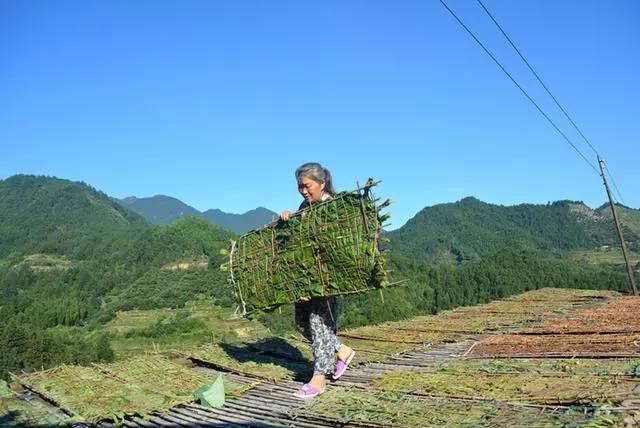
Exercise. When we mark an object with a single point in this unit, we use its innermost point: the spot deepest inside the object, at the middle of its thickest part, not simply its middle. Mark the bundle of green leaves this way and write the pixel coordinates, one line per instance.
(330, 248)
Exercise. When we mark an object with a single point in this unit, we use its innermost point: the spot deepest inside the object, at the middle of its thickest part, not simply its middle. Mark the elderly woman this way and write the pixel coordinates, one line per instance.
(316, 317)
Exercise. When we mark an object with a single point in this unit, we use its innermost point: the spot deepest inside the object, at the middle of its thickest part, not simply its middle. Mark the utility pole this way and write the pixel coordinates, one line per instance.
(632, 280)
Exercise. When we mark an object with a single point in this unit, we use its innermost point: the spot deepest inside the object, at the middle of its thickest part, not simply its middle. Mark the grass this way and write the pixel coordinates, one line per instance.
(87, 392)
(547, 366)
(458, 324)
(112, 391)
(174, 330)
(402, 410)
(240, 360)
(611, 256)
(511, 387)
(538, 381)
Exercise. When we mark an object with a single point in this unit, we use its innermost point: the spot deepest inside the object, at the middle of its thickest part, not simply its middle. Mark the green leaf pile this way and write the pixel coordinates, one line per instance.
(328, 249)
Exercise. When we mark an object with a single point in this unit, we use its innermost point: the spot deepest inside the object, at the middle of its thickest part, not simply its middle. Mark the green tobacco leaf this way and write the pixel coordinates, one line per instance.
(328, 249)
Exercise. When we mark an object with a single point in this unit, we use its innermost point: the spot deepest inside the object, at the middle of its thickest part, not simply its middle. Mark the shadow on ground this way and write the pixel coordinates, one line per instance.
(275, 351)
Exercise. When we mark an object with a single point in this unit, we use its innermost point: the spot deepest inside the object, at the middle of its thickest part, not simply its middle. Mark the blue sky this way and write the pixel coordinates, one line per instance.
(216, 103)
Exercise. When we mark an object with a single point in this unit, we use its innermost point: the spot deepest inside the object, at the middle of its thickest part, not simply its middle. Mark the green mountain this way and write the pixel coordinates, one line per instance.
(162, 210)
(470, 229)
(627, 216)
(240, 223)
(41, 214)
(70, 254)
(71, 257)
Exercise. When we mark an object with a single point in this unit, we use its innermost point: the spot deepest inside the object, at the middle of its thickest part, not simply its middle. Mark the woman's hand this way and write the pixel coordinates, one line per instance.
(304, 299)
(284, 215)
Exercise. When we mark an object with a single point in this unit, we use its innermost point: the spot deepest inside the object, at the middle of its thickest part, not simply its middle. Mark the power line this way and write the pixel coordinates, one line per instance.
(615, 186)
(519, 87)
(538, 77)
(548, 91)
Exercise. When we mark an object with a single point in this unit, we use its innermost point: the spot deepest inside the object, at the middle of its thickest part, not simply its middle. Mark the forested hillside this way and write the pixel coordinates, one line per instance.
(470, 229)
(71, 257)
(626, 215)
(50, 215)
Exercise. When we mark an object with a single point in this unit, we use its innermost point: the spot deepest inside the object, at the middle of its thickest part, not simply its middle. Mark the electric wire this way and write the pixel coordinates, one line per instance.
(546, 88)
(538, 77)
(486, 50)
(615, 186)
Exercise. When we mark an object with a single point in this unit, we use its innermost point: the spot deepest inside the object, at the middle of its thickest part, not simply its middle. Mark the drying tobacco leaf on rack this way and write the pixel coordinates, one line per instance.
(328, 249)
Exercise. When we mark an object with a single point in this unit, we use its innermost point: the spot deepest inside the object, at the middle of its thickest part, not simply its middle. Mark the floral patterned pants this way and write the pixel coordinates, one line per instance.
(316, 320)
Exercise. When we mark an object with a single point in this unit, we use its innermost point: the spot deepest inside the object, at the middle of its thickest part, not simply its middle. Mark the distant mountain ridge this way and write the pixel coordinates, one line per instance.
(159, 209)
(240, 223)
(162, 210)
(471, 229)
(43, 214)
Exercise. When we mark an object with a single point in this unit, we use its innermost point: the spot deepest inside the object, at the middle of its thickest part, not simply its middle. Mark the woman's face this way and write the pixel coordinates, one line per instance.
(310, 189)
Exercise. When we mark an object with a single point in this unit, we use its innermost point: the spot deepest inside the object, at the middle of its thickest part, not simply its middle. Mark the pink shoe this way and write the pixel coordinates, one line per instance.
(341, 366)
(308, 391)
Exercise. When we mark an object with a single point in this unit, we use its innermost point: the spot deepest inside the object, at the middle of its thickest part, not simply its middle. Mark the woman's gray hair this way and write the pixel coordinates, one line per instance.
(318, 173)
